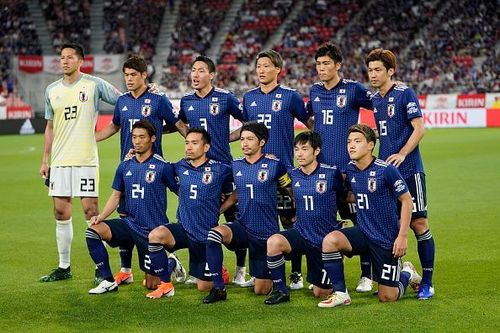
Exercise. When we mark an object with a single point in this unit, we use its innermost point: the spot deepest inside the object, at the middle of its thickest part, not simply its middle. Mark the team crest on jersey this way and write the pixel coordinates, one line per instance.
(372, 184)
(214, 109)
(321, 186)
(146, 110)
(262, 175)
(150, 176)
(207, 178)
(341, 100)
(83, 97)
(390, 110)
(276, 105)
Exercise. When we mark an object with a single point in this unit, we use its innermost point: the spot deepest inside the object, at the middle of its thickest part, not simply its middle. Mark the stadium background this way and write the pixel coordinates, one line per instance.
(447, 51)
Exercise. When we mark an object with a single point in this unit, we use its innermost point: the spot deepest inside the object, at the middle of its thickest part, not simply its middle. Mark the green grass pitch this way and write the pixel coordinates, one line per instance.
(463, 180)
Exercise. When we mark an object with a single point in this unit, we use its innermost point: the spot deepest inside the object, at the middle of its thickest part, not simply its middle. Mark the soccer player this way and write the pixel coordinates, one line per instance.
(210, 107)
(71, 106)
(381, 229)
(201, 184)
(277, 106)
(315, 188)
(334, 105)
(138, 103)
(401, 128)
(143, 179)
(257, 178)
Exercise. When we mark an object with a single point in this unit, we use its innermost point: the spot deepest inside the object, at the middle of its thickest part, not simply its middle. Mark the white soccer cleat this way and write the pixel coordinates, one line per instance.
(249, 283)
(296, 281)
(239, 275)
(104, 287)
(179, 272)
(191, 280)
(311, 286)
(336, 299)
(365, 285)
(415, 278)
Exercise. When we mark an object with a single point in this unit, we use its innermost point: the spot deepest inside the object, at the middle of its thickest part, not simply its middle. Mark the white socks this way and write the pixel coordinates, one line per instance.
(64, 237)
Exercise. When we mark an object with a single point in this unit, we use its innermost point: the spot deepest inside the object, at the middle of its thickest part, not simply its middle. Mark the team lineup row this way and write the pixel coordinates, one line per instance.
(333, 108)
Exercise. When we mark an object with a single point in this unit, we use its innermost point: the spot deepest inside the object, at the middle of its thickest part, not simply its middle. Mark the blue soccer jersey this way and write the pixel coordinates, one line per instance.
(156, 108)
(257, 185)
(393, 115)
(144, 187)
(376, 191)
(212, 113)
(200, 190)
(316, 202)
(334, 111)
(277, 110)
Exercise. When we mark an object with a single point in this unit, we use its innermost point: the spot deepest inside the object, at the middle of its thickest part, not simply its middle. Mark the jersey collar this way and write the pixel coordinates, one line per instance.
(209, 93)
(275, 88)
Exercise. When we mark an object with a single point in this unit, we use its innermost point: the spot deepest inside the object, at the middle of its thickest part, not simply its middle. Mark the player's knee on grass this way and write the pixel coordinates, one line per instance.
(262, 286)
(387, 294)
(419, 225)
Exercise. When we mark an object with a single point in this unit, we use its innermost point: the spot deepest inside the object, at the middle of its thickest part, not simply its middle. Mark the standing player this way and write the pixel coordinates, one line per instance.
(210, 108)
(201, 184)
(257, 180)
(401, 128)
(71, 106)
(276, 107)
(381, 229)
(315, 188)
(138, 103)
(143, 179)
(334, 103)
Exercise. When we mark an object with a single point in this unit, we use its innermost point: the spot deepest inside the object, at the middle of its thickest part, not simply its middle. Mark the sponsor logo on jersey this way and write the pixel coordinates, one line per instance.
(146, 110)
(253, 104)
(125, 108)
(186, 173)
(262, 175)
(276, 106)
(129, 173)
(297, 184)
(341, 100)
(207, 177)
(239, 174)
(353, 180)
(83, 97)
(321, 186)
(147, 101)
(317, 99)
(372, 184)
(375, 110)
(399, 185)
(391, 110)
(150, 176)
(214, 109)
(190, 108)
(412, 108)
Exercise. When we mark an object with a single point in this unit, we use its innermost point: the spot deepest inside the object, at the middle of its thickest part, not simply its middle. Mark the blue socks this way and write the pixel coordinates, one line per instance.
(160, 263)
(426, 252)
(98, 253)
(276, 265)
(334, 267)
(215, 258)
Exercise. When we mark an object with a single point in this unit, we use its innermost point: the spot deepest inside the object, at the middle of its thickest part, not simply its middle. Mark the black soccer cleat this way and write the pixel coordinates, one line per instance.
(215, 296)
(277, 296)
(57, 275)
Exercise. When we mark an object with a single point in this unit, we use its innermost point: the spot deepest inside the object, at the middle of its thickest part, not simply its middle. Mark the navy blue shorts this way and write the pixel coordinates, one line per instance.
(198, 266)
(286, 205)
(385, 267)
(315, 272)
(418, 191)
(122, 236)
(257, 253)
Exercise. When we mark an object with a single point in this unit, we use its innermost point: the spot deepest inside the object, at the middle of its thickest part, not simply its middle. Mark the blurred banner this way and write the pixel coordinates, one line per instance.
(103, 64)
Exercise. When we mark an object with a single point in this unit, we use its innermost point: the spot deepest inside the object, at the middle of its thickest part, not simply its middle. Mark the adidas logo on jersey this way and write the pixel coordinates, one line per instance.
(128, 173)
(353, 180)
(297, 184)
(190, 108)
(253, 104)
(239, 174)
(124, 108)
(316, 99)
(186, 173)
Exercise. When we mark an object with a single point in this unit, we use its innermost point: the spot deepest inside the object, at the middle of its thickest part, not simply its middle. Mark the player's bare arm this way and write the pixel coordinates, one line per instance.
(401, 242)
(47, 148)
(413, 141)
(182, 127)
(106, 132)
(235, 135)
(109, 208)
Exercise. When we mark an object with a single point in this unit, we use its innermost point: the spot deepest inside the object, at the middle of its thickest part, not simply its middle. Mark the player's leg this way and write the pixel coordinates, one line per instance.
(125, 274)
(257, 249)
(219, 235)
(241, 254)
(316, 274)
(277, 246)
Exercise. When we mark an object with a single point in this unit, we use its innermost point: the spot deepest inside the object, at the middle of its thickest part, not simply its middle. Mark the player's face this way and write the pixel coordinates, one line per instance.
(250, 144)
(69, 61)
(134, 79)
(194, 147)
(305, 154)
(142, 141)
(327, 68)
(358, 147)
(266, 71)
(200, 76)
(378, 74)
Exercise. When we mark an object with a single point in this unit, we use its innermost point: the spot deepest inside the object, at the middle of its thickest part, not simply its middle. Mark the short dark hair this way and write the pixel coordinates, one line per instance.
(387, 58)
(366, 130)
(136, 62)
(274, 56)
(143, 123)
(205, 136)
(75, 46)
(209, 62)
(260, 130)
(331, 50)
(308, 136)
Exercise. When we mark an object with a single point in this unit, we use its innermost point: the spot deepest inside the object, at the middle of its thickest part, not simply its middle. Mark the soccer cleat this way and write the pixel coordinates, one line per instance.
(191, 280)
(425, 292)
(415, 278)
(364, 285)
(57, 275)
(215, 296)
(165, 289)
(122, 277)
(311, 287)
(296, 281)
(104, 287)
(179, 271)
(97, 277)
(277, 296)
(225, 275)
(239, 275)
(249, 283)
(336, 299)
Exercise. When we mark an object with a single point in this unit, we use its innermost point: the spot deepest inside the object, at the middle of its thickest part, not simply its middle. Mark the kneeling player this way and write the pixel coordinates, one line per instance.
(377, 187)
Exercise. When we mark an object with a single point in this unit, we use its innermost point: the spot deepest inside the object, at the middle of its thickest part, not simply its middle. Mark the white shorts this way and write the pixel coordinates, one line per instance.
(74, 181)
